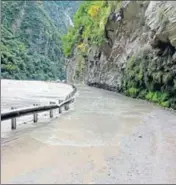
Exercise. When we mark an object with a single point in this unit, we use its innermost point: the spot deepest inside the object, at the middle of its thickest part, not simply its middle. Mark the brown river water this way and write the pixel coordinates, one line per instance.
(104, 138)
(19, 94)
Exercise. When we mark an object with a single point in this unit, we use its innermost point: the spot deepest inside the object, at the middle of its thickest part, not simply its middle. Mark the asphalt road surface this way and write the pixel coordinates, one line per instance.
(104, 138)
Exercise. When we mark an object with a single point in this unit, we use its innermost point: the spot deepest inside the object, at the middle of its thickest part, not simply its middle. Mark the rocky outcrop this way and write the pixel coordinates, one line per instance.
(139, 53)
(161, 18)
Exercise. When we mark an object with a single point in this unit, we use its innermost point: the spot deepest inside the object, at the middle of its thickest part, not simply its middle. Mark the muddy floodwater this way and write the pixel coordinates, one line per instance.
(104, 138)
(19, 94)
(24, 93)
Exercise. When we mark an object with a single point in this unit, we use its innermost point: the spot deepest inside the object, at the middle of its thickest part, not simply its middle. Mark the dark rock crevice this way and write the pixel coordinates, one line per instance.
(164, 48)
(103, 86)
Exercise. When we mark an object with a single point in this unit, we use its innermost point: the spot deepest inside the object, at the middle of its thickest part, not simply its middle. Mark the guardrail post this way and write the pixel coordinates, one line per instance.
(60, 108)
(13, 121)
(35, 116)
(51, 111)
(66, 106)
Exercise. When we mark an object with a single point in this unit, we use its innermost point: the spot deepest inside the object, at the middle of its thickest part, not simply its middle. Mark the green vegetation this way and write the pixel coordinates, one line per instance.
(79, 71)
(89, 24)
(133, 92)
(146, 78)
(30, 39)
(88, 32)
(158, 97)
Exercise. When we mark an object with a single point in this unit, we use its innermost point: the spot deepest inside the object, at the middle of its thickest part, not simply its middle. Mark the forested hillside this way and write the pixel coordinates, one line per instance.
(31, 38)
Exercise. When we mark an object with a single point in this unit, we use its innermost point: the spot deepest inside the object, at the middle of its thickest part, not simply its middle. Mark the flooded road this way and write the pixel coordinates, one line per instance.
(19, 94)
(104, 138)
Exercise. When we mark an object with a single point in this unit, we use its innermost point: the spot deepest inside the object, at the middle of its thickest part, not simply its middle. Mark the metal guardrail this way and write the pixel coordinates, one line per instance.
(37, 109)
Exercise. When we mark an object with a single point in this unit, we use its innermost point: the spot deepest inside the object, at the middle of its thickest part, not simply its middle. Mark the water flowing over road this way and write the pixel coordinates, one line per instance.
(19, 94)
(104, 138)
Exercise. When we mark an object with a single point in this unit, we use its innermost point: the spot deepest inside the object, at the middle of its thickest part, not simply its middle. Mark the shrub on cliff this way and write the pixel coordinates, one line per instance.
(149, 78)
(89, 23)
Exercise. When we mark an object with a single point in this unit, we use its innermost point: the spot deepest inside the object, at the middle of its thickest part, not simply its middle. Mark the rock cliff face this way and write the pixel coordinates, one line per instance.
(139, 55)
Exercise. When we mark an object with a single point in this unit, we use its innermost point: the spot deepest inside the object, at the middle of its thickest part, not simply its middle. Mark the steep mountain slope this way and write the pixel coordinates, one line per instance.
(137, 53)
(31, 44)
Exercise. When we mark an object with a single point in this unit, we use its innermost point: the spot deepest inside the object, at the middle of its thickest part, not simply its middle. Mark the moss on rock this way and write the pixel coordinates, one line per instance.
(147, 78)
